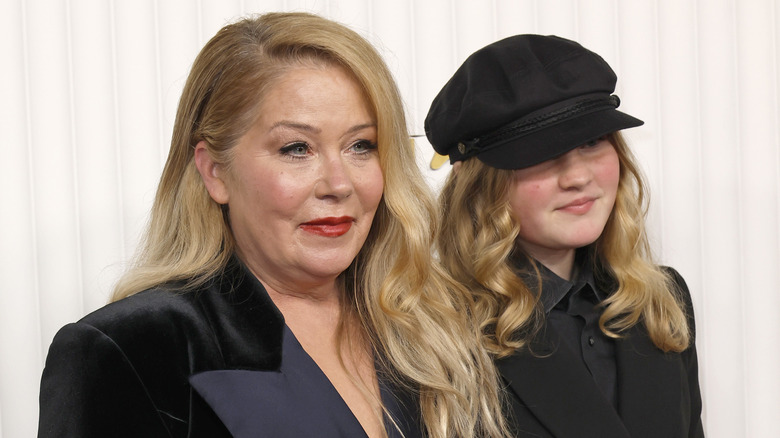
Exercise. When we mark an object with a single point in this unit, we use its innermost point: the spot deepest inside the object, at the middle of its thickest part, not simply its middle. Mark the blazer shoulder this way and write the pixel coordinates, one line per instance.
(91, 388)
(677, 278)
(230, 322)
(683, 294)
(151, 308)
(121, 370)
(155, 318)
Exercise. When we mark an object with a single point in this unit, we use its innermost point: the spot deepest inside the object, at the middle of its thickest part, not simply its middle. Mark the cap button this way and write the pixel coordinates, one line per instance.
(461, 148)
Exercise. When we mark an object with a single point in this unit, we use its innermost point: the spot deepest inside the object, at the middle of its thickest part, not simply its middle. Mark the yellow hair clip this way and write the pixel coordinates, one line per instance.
(438, 160)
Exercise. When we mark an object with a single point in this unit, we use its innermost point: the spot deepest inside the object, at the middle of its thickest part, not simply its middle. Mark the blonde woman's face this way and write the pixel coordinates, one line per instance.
(564, 203)
(305, 181)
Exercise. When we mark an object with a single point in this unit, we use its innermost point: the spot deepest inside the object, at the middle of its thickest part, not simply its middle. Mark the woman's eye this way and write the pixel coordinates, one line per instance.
(363, 146)
(295, 149)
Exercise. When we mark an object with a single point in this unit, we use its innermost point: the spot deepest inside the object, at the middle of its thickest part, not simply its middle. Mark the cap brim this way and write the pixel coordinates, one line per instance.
(555, 140)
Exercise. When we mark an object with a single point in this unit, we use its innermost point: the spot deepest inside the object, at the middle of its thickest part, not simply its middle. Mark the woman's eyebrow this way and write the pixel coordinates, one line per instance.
(295, 125)
(309, 128)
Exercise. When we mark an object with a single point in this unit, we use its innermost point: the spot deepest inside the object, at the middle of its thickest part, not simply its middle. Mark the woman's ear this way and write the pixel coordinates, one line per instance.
(211, 173)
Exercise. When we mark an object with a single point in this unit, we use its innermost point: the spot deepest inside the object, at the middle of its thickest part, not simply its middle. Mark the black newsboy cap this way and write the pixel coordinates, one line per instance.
(524, 100)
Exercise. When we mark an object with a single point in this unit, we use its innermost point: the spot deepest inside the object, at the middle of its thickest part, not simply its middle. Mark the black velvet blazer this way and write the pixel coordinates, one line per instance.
(551, 393)
(205, 363)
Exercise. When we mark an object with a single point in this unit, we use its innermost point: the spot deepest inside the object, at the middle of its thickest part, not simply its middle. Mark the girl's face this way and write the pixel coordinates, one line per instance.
(563, 204)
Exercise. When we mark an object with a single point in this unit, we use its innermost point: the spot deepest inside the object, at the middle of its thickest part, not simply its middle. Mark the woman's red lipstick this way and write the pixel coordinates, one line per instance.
(329, 226)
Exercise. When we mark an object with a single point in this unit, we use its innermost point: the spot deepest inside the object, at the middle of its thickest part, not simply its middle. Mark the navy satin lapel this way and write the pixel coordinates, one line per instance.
(296, 401)
(557, 388)
(650, 389)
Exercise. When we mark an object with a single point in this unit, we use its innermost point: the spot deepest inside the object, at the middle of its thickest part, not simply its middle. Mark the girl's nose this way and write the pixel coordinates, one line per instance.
(575, 170)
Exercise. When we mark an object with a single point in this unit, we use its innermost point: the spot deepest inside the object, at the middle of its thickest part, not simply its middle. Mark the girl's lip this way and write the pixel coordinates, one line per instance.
(579, 206)
(329, 226)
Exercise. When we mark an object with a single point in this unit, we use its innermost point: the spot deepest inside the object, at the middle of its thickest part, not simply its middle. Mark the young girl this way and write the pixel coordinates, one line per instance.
(544, 222)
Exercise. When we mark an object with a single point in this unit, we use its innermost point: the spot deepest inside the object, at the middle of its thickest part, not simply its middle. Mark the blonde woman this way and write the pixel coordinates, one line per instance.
(285, 286)
(545, 224)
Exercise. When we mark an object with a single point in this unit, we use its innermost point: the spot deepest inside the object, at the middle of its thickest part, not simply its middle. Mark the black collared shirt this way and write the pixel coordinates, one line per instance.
(572, 310)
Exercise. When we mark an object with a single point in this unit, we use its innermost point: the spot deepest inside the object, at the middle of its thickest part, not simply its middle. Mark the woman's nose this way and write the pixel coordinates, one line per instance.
(333, 179)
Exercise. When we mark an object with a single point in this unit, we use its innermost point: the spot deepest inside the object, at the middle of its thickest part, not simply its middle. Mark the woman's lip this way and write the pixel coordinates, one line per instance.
(329, 226)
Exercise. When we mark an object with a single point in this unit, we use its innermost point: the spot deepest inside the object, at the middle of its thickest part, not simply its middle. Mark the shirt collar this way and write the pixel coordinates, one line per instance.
(555, 288)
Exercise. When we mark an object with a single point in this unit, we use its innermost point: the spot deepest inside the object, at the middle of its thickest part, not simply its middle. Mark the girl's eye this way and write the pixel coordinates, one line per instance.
(297, 149)
(595, 141)
(363, 146)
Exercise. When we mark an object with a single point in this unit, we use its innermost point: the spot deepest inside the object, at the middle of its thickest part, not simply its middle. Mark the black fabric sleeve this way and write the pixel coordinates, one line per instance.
(90, 389)
(690, 359)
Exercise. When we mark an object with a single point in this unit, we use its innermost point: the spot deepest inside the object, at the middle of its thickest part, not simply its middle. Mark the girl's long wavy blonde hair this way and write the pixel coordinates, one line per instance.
(412, 312)
(478, 240)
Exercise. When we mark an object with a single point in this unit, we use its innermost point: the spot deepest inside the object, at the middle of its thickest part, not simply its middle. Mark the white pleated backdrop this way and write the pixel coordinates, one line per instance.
(88, 91)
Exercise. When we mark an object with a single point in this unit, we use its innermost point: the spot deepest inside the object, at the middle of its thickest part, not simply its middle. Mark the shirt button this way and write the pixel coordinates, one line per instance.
(591, 341)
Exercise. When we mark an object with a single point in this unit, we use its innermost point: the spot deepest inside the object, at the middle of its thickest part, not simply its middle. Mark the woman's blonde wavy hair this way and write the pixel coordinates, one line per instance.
(413, 313)
(478, 240)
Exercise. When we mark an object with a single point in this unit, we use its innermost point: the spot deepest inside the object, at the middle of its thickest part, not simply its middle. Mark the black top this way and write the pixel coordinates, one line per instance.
(572, 308)
(552, 390)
